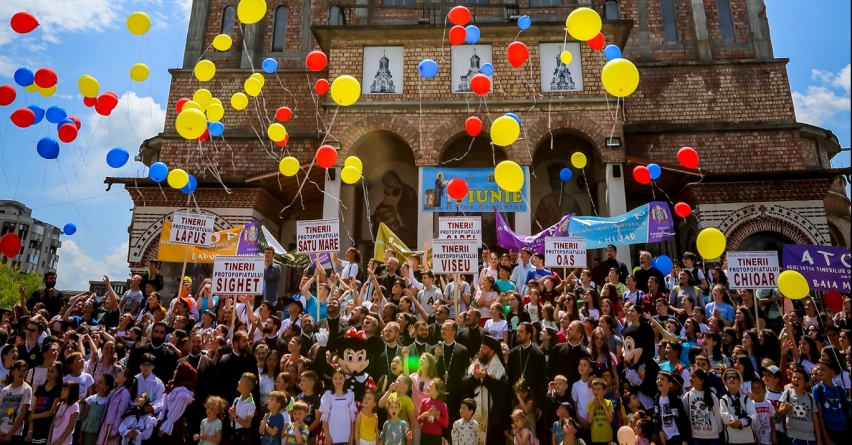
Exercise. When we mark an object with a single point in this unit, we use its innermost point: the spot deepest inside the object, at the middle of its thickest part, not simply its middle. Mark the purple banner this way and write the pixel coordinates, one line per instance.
(825, 267)
(508, 239)
(248, 240)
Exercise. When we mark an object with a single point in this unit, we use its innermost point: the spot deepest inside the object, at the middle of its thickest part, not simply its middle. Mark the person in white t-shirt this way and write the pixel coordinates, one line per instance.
(497, 326)
(15, 401)
(76, 364)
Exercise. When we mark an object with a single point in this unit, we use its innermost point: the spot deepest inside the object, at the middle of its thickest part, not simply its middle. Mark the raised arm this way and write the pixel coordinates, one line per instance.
(335, 259)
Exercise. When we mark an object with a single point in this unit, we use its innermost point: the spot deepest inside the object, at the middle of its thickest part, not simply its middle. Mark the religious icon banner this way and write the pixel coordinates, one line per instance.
(483, 193)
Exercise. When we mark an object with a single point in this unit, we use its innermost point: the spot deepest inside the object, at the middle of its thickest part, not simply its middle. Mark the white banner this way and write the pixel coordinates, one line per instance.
(452, 227)
(192, 229)
(238, 275)
(753, 270)
(560, 251)
(318, 235)
(455, 256)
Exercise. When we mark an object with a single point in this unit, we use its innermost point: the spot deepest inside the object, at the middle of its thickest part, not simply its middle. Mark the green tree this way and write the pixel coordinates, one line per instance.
(10, 279)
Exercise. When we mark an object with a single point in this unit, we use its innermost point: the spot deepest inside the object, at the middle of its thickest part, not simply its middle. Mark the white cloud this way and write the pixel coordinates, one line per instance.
(61, 16)
(822, 102)
(76, 268)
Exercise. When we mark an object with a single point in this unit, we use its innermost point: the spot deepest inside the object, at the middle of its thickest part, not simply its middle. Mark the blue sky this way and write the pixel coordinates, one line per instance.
(89, 37)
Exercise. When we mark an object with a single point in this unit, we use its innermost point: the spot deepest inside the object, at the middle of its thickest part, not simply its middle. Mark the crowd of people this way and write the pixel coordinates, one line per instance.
(389, 353)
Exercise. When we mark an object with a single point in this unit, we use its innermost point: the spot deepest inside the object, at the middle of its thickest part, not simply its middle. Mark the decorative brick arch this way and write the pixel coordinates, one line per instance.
(146, 247)
(756, 218)
(587, 128)
(397, 125)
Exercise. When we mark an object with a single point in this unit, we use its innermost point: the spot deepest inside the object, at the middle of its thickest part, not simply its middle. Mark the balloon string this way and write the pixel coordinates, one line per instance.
(443, 39)
(472, 140)
(615, 119)
(589, 191)
(367, 210)
(295, 101)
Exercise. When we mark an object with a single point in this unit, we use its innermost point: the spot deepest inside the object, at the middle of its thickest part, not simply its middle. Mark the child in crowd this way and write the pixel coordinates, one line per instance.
(65, 419)
(800, 411)
(76, 363)
(765, 414)
(275, 421)
(367, 421)
(523, 435)
(211, 427)
(297, 431)
(338, 411)
(562, 415)
(242, 410)
(95, 410)
(670, 420)
(581, 394)
(832, 404)
(703, 409)
(466, 430)
(312, 400)
(395, 431)
(599, 414)
(644, 430)
(15, 401)
(618, 418)
(737, 411)
(137, 425)
(525, 402)
(433, 414)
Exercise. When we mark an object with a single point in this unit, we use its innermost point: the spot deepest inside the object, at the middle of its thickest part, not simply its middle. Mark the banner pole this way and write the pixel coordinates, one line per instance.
(183, 269)
(456, 291)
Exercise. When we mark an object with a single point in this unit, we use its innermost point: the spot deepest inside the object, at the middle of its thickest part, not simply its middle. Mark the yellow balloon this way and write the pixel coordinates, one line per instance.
(239, 101)
(191, 105)
(215, 112)
(32, 88)
(259, 78)
(509, 175)
(88, 86)
(350, 174)
(252, 87)
(793, 285)
(276, 132)
(620, 77)
(216, 101)
(251, 11)
(177, 178)
(138, 23)
(191, 124)
(583, 24)
(354, 161)
(205, 70)
(505, 131)
(139, 72)
(289, 166)
(578, 160)
(47, 92)
(203, 97)
(566, 57)
(222, 42)
(345, 90)
(711, 243)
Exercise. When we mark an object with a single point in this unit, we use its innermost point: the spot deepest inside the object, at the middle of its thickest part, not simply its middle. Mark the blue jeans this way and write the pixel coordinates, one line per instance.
(706, 442)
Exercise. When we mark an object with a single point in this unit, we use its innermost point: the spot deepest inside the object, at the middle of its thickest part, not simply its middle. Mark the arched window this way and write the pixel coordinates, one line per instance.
(726, 21)
(229, 15)
(611, 10)
(667, 10)
(279, 29)
(335, 16)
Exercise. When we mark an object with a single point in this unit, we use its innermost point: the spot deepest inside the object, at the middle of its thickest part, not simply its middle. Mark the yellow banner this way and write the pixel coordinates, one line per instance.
(240, 240)
(385, 238)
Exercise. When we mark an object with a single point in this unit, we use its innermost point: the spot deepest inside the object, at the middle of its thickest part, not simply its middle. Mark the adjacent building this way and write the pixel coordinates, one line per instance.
(39, 240)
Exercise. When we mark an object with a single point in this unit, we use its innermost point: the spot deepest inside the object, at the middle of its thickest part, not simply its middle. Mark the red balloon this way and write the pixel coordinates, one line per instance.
(316, 60)
(7, 95)
(90, 101)
(180, 103)
(23, 117)
(518, 54)
(682, 209)
(459, 15)
(283, 143)
(76, 121)
(457, 35)
(322, 86)
(473, 126)
(204, 136)
(457, 189)
(10, 244)
(598, 42)
(688, 157)
(642, 175)
(67, 133)
(480, 84)
(46, 78)
(102, 109)
(108, 101)
(24, 22)
(326, 156)
(283, 114)
(833, 300)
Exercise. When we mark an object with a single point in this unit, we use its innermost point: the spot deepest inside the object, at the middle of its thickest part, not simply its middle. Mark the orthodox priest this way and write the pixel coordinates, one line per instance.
(486, 383)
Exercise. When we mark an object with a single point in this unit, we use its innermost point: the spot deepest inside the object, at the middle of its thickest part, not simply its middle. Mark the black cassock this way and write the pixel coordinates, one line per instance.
(500, 404)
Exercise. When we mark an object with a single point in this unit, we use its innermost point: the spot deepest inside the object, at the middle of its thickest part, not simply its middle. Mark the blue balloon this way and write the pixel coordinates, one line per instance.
(117, 157)
(70, 229)
(565, 174)
(24, 77)
(190, 186)
(55, 114)
(515, 117)
(664, 264)
(158, 172)
(428, 68)
(471, 34)
(612, 52)
(216, 129)
(48, 148)
(655, 171)
(270, 65)
(524, 22)
(487, 69)
(39, 113)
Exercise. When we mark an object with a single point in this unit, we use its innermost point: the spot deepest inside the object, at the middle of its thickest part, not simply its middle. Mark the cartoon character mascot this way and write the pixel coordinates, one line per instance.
(641, 369)
(352, 357)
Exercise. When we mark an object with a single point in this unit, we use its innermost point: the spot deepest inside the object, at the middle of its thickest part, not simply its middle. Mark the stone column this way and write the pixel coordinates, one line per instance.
(195, 34)
(425, 220)
(702, 36)
(759, 26)
(251, 35)
(616, 203)
(330, 205)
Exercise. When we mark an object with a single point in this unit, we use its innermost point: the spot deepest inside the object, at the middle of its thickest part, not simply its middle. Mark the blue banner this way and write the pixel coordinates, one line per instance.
(483, 193)
(649, 223)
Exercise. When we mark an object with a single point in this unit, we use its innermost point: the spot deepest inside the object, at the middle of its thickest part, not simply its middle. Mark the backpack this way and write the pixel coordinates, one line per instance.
(844, 403)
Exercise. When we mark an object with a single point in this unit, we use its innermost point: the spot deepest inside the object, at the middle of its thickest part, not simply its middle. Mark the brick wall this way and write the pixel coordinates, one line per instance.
(755, 191)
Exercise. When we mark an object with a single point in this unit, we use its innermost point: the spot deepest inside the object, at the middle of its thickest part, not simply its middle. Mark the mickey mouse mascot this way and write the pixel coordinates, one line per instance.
(641, 369)
(352, 357)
